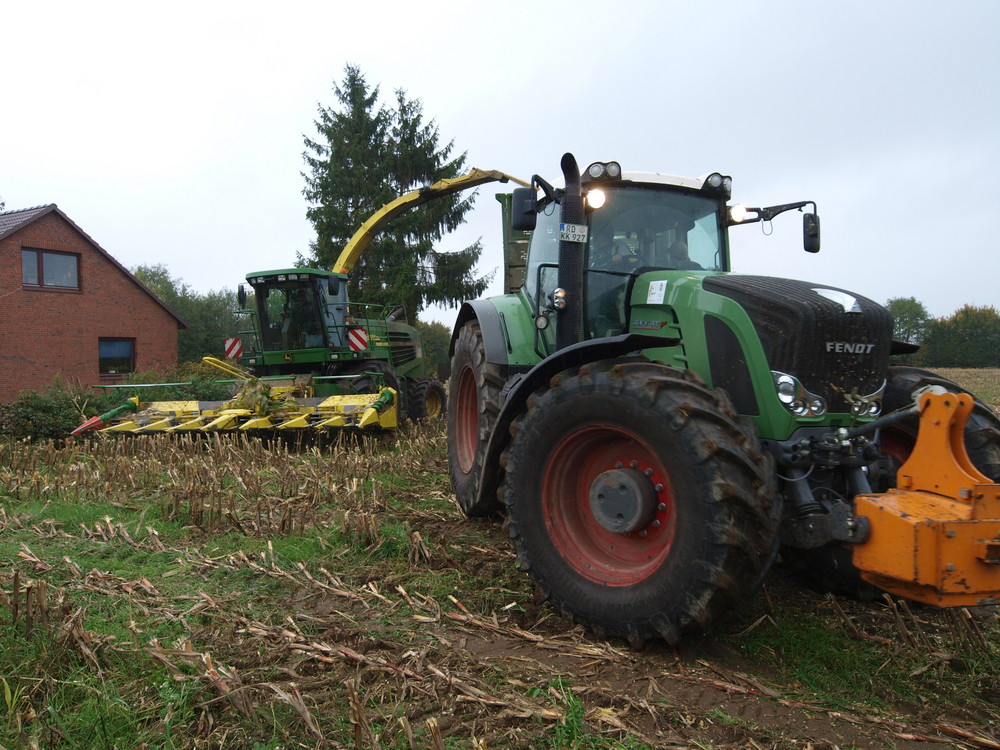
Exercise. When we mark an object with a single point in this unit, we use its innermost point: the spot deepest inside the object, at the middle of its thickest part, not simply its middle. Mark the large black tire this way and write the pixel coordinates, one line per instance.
(982, 429)
(475, 403)
(365, 383)
(697, 496)
(426, 400)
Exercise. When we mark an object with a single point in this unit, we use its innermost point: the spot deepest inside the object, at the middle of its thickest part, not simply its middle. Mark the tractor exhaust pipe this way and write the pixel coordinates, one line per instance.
(571, 257)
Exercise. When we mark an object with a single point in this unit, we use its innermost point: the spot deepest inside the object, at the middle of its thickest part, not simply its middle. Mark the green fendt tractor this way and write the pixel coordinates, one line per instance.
(656, 428)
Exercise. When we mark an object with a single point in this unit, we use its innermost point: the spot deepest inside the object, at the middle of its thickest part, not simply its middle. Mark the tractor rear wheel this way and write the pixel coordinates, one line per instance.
(475, 403)
(426, 399)
(637, 501)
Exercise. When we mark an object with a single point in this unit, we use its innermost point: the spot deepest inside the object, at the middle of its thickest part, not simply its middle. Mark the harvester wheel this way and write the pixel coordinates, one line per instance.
(475, 403)
(427, 400)
(982, 430)
(369, 383)
(637, 502)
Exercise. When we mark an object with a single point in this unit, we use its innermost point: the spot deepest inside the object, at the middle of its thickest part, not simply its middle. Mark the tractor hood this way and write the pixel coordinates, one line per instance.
(835, 342)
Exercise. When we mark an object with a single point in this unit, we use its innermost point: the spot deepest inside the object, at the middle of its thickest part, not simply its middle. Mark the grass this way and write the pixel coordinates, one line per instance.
(983, 382)
(186, 593)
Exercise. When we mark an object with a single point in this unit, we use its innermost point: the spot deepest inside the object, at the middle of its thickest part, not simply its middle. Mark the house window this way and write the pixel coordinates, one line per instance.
(50, 269)
(116, 356)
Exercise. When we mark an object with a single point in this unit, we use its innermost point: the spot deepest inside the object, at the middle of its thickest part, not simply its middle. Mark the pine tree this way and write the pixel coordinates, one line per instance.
(364, 156)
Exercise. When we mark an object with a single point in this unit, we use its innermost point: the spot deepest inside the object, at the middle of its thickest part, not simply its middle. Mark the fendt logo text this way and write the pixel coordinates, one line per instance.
(846, 347)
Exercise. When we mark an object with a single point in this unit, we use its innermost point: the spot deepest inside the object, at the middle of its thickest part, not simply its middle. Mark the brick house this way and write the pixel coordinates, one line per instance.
(68, 308)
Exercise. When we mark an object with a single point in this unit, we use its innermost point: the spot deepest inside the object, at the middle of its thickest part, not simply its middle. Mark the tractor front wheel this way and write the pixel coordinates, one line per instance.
(982, 429)
(637, 502)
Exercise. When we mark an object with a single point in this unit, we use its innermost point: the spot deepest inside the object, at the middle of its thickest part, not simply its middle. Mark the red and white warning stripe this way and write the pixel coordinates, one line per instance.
(357, 339)
(234, 348)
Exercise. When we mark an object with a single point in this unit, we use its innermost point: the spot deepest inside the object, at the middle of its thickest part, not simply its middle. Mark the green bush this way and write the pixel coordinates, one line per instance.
(53, 414)
(58, 411)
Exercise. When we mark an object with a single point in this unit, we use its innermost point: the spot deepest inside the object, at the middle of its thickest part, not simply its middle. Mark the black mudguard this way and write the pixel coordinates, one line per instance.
(515, 394)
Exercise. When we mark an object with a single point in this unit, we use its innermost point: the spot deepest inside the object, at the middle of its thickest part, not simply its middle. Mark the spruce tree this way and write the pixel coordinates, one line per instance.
(365, 155)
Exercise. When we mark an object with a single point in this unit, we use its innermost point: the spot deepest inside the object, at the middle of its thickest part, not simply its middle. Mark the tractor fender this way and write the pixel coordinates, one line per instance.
(517, 390)
(494, 337)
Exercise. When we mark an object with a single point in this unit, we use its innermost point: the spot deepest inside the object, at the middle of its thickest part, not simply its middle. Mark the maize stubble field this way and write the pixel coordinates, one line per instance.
(230, 593)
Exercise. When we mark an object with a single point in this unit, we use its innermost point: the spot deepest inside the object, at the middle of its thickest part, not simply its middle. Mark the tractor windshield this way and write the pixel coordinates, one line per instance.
(640, 227)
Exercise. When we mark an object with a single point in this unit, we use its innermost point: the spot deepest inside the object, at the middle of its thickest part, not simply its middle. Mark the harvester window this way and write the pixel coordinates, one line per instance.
(50, 269)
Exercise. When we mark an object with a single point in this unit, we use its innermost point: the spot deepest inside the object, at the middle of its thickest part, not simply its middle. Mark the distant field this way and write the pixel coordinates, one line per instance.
(983, 382)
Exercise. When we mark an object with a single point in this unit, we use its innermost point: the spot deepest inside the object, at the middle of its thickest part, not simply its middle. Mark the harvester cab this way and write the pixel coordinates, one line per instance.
(302, 322)
(657, 428)
(299, 310)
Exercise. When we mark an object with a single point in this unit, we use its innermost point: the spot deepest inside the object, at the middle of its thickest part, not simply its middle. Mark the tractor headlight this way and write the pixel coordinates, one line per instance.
(869, 405)
(596, 198)
(559, 298)
(796, 398)
(604, 170)
(786, 387)
(718, 183)
(737, 213)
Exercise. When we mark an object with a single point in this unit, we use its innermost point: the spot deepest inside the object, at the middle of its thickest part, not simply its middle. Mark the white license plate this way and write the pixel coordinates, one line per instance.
(573, 232)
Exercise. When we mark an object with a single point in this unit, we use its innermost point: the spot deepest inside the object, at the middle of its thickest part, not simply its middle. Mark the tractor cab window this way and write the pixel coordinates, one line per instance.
(543, 257)
(644, 228)
(639, 229)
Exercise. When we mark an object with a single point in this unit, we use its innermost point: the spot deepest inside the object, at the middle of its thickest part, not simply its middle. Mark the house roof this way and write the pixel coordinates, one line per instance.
(13, 221)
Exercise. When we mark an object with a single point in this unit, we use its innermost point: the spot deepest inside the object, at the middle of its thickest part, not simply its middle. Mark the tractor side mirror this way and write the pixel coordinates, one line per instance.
(333, 286)
(523, 211)
(241, 297)
(810, 233)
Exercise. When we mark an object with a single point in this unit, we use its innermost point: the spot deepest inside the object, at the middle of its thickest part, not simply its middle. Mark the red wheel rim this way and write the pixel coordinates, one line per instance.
(594, 552)
(896, 444)
(466, 420)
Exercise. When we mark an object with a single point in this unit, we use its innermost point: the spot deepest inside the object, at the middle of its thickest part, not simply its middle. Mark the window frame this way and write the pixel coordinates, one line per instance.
(39, 269)
(100, 359)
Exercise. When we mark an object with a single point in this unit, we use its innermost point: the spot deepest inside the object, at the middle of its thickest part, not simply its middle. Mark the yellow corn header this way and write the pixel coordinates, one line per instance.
(258, 404)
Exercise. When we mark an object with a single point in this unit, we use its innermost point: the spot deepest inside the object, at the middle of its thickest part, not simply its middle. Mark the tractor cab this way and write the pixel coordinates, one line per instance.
(634, 222)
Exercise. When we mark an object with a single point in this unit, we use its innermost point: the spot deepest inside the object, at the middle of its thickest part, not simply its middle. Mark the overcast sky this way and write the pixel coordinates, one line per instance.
(173, 133)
